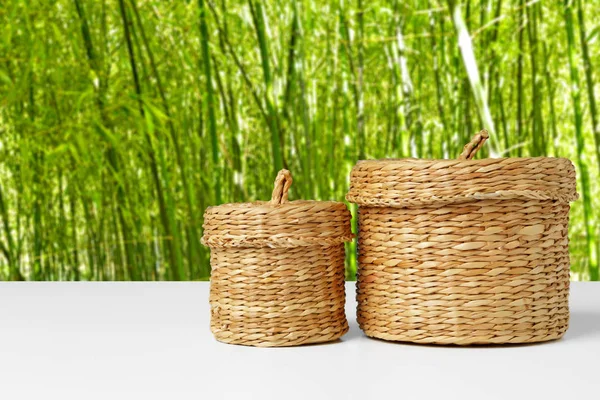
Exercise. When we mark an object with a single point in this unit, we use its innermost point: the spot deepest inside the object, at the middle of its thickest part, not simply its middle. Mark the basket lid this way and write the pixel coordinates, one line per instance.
(278, 222)
(414, 182)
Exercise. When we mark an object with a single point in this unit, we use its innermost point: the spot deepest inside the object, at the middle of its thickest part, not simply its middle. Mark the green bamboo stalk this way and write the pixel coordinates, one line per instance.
(392, 131)
(550, 88)
(537, 124)
(210, 104)
(259, 26)
(9, 248)
(467, 125)
(103, 256)
(291, 65)
(91, 240)
(520, 95)
(435, 50)
(175, 239)
(581, 163)
(503, 118)
(354, 84)
(408, 100)
(360, 101)
(466, 47)
(116, 250)
(446, 84)
(230, 103)
(349, 79)
(221, 27)
(73, 223)
(295, 108)
(62, 222)
(492, 65)
(292, 84)
(589, 78)
(311, 148)
(39, 199)
(333, 73)
(234, 160)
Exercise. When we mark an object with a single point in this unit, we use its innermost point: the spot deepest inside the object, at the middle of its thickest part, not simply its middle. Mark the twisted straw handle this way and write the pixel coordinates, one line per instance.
(474, 145)
(282, 186)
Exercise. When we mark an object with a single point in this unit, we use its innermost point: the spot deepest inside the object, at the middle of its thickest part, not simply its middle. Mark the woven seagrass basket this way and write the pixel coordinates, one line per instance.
(463, 251)
(277, 269)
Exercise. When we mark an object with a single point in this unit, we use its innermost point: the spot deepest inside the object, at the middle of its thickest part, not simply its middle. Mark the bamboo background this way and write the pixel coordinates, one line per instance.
(122, 120)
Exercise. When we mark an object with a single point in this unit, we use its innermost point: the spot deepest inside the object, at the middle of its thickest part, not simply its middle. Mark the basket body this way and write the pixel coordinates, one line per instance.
(277, 272)
(463, 252)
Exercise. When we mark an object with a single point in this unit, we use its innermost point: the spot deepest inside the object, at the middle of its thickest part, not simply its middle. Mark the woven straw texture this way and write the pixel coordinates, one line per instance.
(463, 251)
(277, 270)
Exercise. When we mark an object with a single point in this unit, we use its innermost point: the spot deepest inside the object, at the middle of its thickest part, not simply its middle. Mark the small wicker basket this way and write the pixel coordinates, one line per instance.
(277, 269)
(463, 251)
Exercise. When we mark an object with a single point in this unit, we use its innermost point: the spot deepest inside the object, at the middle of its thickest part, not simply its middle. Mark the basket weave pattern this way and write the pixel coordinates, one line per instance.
(463, 251)
(277, 270)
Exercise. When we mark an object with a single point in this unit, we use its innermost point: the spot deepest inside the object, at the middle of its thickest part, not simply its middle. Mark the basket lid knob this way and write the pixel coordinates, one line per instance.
(474, 145)
(282, 186)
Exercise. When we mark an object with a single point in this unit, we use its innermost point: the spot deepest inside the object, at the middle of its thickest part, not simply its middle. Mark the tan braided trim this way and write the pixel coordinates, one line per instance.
(277, 223)
(412, 182)
(271, 241)
(396, 199)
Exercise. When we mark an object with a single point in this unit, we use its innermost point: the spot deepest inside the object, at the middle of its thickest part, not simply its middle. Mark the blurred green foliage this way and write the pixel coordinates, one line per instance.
(121, 121)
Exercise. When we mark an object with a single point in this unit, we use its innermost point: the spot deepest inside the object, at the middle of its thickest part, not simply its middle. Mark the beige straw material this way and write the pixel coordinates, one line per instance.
(463, 251)
(277, 269)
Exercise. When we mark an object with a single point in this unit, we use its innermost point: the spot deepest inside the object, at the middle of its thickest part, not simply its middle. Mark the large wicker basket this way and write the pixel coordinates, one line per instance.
(463, 251)
(277, 269)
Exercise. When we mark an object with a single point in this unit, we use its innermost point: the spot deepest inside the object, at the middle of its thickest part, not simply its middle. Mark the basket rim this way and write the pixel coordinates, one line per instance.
(406, 182)
(290, 224)
(482, 161)
(262, 204)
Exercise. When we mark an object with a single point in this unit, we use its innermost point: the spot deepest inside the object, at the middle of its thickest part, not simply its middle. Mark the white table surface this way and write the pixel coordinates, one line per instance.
(152, 341)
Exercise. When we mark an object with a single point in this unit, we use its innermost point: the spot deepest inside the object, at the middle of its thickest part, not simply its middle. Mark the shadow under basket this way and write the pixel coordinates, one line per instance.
(277, 270)
(463, 251)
